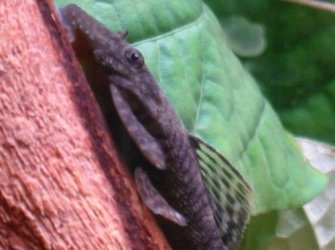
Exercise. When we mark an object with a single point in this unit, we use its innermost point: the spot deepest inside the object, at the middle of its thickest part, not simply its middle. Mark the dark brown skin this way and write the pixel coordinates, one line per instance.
(153, 125)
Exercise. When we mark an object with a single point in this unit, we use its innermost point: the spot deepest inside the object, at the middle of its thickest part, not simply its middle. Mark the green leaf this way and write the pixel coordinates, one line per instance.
(311, 227)
(320, 211)
(216, 98)
(280, 230)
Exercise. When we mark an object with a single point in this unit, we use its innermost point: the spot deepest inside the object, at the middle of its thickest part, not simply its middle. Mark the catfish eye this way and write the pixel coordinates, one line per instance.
(134, 57)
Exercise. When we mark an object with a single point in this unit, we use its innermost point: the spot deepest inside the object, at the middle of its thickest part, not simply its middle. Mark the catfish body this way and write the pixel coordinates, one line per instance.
(170, 183)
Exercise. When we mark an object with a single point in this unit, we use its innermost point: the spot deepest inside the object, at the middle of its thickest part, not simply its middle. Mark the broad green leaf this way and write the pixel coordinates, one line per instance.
(320, 211)
(311, 227)
(216, 98)
(279, 230)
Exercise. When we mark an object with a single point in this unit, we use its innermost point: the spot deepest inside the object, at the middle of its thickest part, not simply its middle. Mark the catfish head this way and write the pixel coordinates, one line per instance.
(142, 107)
(116, 63)
(130, 81)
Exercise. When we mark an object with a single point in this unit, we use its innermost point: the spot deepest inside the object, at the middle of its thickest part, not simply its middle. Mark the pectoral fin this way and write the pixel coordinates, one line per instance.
(153, 199)
(230, 193)
(145, 142)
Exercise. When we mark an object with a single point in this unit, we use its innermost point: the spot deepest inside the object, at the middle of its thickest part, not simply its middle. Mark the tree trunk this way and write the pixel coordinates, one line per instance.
(62, 185)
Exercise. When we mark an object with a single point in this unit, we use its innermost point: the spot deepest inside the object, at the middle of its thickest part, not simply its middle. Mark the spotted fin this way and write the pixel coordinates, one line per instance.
(154, 200)
(230, 193)
(145, 142)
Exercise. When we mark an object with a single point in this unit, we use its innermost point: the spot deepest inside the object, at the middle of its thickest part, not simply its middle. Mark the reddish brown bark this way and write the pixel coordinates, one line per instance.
(61, 183)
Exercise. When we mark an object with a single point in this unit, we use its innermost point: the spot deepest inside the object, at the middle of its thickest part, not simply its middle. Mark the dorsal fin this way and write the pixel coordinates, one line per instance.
(230, 193)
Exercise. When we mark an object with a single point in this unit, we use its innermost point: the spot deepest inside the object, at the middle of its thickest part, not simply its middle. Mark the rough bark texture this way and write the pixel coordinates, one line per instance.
(61, 183)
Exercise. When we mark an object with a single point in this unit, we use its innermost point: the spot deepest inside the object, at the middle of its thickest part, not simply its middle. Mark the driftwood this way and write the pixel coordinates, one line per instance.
(62, 185)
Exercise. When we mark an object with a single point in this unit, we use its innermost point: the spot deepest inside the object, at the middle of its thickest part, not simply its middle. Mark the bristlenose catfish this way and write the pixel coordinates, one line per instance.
(203, 199)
